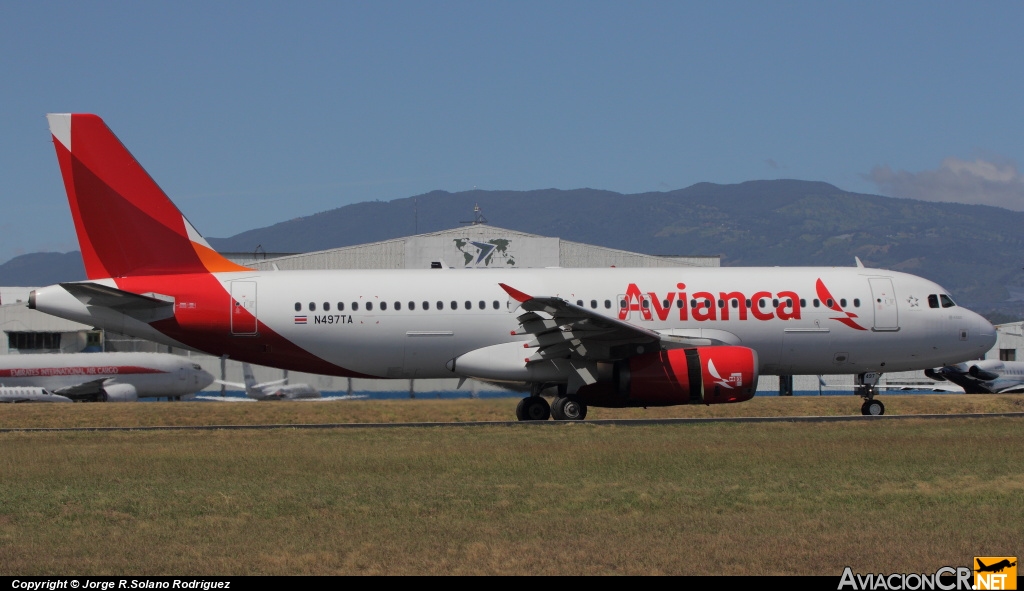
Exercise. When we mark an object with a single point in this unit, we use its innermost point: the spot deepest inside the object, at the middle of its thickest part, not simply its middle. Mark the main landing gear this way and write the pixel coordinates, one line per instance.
(536, 408)
(866, 387)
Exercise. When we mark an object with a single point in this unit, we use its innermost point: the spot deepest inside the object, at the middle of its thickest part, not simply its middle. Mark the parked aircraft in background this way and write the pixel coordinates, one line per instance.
(613, 337)
(986, 376)
(275, 390)
(105, 377)
(29, 394)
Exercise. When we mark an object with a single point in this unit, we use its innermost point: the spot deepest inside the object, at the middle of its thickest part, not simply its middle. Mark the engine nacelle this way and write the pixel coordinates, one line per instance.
(985, 369)
(120, 393)
(703, 375)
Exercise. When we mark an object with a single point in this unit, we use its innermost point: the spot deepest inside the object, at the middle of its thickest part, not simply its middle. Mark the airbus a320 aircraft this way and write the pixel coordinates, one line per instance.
(615, 337)
(105, 377)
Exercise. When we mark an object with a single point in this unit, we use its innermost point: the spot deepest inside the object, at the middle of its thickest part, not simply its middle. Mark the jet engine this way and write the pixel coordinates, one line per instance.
(120, 393)
(703, 375)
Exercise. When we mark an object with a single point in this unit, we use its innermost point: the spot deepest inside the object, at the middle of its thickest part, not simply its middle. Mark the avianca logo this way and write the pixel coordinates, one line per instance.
(784, 305)
(825, 296)
(736, 378)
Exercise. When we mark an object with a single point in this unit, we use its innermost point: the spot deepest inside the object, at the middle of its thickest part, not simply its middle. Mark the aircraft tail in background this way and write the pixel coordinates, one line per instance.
(126, 224)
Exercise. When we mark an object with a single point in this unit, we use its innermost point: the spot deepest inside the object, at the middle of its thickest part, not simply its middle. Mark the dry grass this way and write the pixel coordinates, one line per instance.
(460, 410)
(778, 498)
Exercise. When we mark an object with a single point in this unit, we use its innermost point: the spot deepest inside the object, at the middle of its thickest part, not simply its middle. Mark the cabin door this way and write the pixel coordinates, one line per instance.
(884, 302)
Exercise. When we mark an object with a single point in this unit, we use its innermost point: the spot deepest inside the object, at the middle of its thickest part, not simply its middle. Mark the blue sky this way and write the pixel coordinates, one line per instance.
(251, 113)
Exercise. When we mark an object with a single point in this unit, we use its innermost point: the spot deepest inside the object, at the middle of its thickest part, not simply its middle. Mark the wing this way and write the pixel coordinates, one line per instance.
(564, 330)
(89, 388)
(567, 330)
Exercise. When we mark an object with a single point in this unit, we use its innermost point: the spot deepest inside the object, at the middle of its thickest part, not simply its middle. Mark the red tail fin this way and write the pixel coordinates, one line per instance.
(126, 225)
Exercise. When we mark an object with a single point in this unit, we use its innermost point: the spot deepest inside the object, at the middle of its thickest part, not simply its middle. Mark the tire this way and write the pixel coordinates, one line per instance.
(567, 409)
(873, 408)
(521, 409)
(535, 408)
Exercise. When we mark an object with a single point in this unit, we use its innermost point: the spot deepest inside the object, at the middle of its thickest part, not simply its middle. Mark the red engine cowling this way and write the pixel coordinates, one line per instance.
(703, 375)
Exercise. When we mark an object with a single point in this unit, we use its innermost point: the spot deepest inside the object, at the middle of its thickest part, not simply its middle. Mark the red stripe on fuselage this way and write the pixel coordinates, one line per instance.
(206, 325)
(97, 370)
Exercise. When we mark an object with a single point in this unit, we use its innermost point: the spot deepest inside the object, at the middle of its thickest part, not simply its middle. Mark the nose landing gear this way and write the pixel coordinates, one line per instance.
(866, 388)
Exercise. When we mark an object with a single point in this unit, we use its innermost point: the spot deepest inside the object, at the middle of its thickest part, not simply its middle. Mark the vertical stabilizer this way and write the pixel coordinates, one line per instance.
(126, 225)
(251, 388)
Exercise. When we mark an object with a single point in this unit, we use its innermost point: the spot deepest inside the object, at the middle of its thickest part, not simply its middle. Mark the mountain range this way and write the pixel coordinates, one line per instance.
(972, 250)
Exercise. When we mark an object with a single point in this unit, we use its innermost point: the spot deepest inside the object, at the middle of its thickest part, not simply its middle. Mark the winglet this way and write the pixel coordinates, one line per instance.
(515, 297)
(515, 293)
(860, 265)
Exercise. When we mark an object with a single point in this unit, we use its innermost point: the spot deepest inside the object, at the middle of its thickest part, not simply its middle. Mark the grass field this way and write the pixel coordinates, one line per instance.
(765, 498)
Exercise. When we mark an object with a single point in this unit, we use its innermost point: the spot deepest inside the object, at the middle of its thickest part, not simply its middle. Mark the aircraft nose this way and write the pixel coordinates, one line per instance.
(986, 332)
(205, 378)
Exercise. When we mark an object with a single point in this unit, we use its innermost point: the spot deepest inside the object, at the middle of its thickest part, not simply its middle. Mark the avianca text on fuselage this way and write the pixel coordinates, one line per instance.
(707, 306)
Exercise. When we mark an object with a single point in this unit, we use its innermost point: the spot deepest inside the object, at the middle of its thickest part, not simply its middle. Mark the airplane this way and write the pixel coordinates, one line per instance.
(274, 390)
(610, 337)
(985, 376)
(29, 394)
(105, 377)
(996, 567)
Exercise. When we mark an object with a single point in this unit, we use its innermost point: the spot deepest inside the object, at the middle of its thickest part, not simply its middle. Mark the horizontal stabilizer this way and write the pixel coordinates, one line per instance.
(147, 308)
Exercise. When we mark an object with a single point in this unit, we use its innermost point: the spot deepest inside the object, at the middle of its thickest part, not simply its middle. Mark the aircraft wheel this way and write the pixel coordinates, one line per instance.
(521, 409)
(533, 408)
(567, 409)
(873, 408)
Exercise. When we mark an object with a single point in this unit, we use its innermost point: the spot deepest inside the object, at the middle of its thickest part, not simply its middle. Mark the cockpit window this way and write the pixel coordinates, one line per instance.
(933, 301)
(947, 302)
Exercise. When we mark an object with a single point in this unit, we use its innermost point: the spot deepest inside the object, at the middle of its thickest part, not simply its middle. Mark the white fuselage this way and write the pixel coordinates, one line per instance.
(151, 374)
(411, 323)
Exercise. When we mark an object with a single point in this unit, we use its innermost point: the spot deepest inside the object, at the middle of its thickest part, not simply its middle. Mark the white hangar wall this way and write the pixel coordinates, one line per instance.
(475, 246)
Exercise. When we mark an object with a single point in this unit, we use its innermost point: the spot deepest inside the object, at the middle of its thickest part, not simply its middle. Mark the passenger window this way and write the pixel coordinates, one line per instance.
(856, 302)
(665, 304)
(383, 306)
(482, 305)
(775, 302)
(593, 304)
(828, 303)
(645, 303)
(622, 304)
(469, 305)
(298, 307)
(842, 302)
(607, 304)
(440, 305)
(369, 306)
(341, 306)
(761, 303)
(747, 302)
(327, 306)
(355, 306)
(816, 302)
(947, 302)
(803, 303)
(426, 305)
(735, 303)
(679, 303)
(496, 305)
(412, 305)
(398, 305)
(933, 301)
(721, 303)
(455, 305)
(312, 307)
